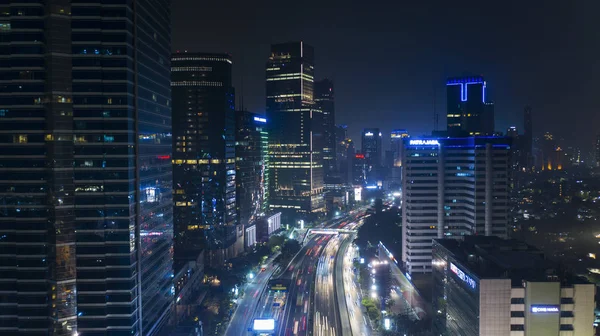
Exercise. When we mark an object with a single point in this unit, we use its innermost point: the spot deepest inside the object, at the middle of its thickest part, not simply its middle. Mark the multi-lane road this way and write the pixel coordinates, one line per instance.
(309, 305)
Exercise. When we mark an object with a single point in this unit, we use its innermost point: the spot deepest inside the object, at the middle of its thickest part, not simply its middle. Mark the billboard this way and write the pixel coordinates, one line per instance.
(262, 325)
(358, 194)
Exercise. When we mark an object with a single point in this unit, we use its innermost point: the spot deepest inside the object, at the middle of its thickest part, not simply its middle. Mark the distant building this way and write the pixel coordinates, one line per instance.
(295, 132)
(452, 187)
(359, 170)
(267, 225)
(597, 150)
(393, 178)
(204, 158)
(552, 155)
(397, 145)
(324, 100)
(494, 287)
(371, 146)
(252, 178)
(526, 144)
(345, 153)
(468, 110)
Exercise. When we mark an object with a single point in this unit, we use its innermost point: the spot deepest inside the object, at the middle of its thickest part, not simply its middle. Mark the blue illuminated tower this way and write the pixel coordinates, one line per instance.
(468, 111)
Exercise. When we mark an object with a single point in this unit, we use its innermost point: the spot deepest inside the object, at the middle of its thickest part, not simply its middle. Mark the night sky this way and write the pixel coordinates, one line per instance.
(389, 59)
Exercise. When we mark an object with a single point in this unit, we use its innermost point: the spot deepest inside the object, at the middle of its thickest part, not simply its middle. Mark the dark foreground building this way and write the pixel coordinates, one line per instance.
(495, 287)
(204, 158)
(85, 167)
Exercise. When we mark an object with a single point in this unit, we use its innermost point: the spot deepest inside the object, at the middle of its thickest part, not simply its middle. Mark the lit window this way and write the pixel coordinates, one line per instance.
(21, 138)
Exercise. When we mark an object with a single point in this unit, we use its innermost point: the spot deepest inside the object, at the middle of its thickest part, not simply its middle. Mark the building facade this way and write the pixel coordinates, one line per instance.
(295, 132)
(371, 146)
(251, 151)
(468, 110)
(86, 206)
(452, 187)
(324, 99)
(494, 287)
(204, 157)
(397, 137)
(359, 170)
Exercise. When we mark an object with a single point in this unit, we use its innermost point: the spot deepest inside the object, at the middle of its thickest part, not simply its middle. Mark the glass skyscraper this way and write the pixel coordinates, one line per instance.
(204, 157)
(85, 167)
(252, 181)
(324, 98)
(295, 132)
(468, 110)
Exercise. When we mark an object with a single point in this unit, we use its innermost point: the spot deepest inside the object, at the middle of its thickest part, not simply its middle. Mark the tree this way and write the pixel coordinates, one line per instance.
(290, 247)
(274, 241)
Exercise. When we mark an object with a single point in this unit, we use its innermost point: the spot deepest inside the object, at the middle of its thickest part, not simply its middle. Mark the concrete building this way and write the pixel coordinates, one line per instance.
(267, 225)
(452, 187)
(494, 287)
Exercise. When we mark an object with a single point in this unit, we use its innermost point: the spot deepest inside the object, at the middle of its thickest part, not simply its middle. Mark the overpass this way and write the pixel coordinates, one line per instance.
(324, 231)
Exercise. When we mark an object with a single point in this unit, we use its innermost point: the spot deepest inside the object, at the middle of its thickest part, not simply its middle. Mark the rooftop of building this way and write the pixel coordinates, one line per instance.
(490, 257)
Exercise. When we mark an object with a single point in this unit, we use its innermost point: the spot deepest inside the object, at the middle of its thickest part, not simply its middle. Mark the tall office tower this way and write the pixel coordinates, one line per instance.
(452, 187)
(359, 170)
(204, 157)
(85, 172)
(397, 137)
(468, 111)
(251, 150)
(371, 146)
(324, 99)
(341, 149)
(295, 132)
(527, 142)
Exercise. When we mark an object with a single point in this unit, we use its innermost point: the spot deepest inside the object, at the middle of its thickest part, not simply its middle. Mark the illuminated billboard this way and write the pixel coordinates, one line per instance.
(358, 194)
(424, 142)
(262, 325)
(545, 309)
(464, 277)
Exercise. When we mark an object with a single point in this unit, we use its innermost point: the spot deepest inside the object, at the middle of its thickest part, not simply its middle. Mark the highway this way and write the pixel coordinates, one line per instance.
(295, 308)
(358, 320)
(241, 319)
(326, 315)
(295, 319)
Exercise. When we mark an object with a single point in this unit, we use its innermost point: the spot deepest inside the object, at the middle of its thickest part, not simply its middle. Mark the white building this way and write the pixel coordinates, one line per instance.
(452, 187)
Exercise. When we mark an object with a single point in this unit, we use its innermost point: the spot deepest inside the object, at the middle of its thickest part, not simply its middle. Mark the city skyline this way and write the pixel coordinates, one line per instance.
(521, 60)
(311, 168)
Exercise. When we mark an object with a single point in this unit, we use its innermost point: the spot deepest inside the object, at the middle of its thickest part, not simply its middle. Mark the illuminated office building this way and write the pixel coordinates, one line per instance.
(495, 287)
(359, 170)
(324, 99)
(295, 132)
(397, 145)
(85, 167)
(252, 178)
(468, 110)
(371, 146)
(452, 187)
(204, 158)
